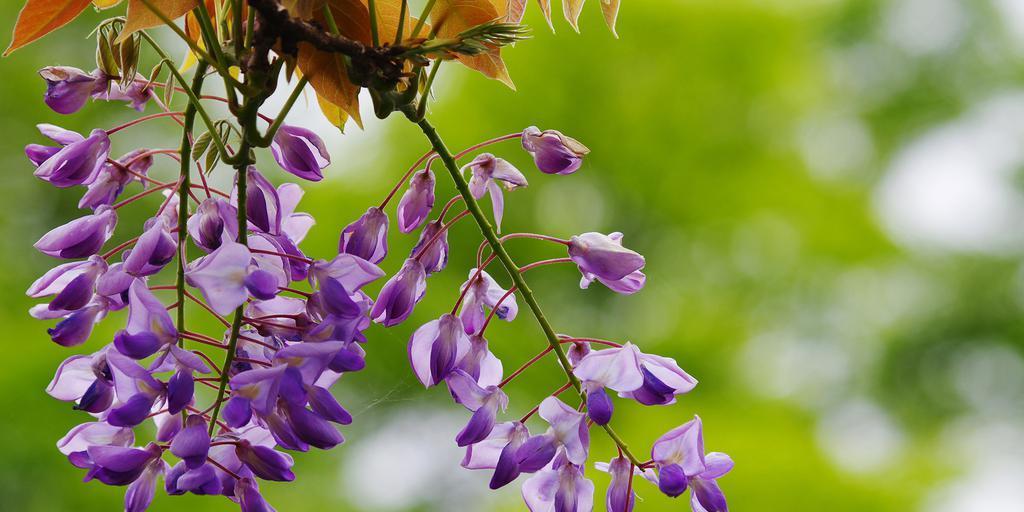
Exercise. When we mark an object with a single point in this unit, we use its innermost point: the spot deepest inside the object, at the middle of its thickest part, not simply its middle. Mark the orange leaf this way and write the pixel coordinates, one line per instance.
(326, 71)
(140, 17)
(450, 17)
(571, 9)
(545, 7)
(332, 112)
(610, 8)
(40, 17)
(514, 11)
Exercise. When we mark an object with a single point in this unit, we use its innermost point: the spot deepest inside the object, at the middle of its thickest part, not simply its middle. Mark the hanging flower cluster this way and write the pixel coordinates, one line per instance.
(453, 350)
(162, 412)
(284, 351)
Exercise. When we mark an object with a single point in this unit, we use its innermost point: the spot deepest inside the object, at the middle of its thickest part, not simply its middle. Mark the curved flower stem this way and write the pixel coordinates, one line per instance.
(569, 339)
(510, 266)
(448, 206)
(542, 263)
(503, 239)
(283, 255)
(439, 234)
(403, 179)
(184, 185)
(279, 120)
(143, 119)
(557, 392)
(526, 365)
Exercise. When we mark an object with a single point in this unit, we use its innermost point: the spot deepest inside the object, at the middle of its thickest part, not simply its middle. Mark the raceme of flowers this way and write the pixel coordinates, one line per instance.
(303, 320)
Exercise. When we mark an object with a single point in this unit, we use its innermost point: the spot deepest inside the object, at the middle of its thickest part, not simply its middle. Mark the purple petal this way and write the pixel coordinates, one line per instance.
(417, 201)
(192, 443)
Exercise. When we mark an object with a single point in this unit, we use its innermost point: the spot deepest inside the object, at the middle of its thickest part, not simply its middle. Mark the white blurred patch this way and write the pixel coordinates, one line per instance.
(807, 371)
(922, 27)
(989, 377)
(1012, 15)
(860, 437)
(412, 462)
(953, 188)
(990, 453)
(834, 145)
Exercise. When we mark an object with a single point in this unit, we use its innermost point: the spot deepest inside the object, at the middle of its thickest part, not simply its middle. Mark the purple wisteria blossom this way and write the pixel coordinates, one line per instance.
(602, 257)
(553, 152)
(68, 88)
(489, 175)
(300, 152)
(482, 293)
(367, 237)
(217, 406)
(416, 203)
(75, 162)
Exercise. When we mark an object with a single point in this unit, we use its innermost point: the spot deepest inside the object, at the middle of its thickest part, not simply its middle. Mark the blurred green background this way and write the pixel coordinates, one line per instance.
(828, 193)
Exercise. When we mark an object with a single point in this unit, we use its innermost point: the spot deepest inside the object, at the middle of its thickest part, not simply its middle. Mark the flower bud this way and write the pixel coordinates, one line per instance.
(68, 88)
(300, 152)
(417, 201)
(553, 152)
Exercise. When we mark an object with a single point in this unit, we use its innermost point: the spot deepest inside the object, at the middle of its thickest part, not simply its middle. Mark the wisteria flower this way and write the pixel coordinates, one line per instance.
(400, 294)
(71, 284)
(483, 293)
(681, 462)
(435, 348)
(68, 88)
(300, 152)
(553, 152)
(223, 277)
(562, 488)
(620, 496)
(488, 170)
(663, 380)
(112, 178)
(367, 237)
(81, 237)
(77, 162)
(603, 257)
(434, 257)
(614, 368)
(416, 203)
(568, 428)
(483, 402)
(214, 222)
(149, 326)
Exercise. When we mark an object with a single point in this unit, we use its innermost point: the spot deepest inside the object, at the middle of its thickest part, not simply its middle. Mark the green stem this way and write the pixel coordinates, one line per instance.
(372, 6)
(192, 97)
(200, 54)
(423, 19)
(510, 267)
(401, 22)
(183, 188)
(279, 120)
(246, 119)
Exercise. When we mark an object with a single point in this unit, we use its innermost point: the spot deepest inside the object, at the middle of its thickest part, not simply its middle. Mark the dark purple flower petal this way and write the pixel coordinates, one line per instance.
(237, 412)
(300, 152)
(553, 152)
(435, 257)
(137, 346)
(76, 163)
(81, 237)
(192, 443)
(327, 407)
(417, 201)
(67, 88)
(180, 391)
(599, 406)
(313, 429)
(367, 237)
(261, 284)
(132, 412)
(400, 294)
(672, 481)
(249, 497)
(265, 462)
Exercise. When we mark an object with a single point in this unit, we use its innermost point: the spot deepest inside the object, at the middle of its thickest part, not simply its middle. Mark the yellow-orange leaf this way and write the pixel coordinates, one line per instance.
(326, 71)
(610, 8)
(571, 9)
(332, 112)
(105, 4)
(139, 16)
(514, 11)
(450, 17)
(40, 17)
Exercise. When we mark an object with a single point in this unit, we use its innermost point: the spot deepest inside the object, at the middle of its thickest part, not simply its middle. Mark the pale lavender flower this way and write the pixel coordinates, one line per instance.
(483, 402)
(112, 178)
(620, 497)
(416, 203)
(560, 488)
(300, 152)
(568, 428)
(96, 433)
(154, 249)
(435, 348)
(137, 93)
(81, 237)
(488, 171)
(71, 284)
(483, 293)
(603, 257)
(553, 152)
(400, 294)
(77, 162)
(681, 462)
(221, 276)
(663, 380)
(214, 222)
(614, 368)
(367, 237)
(86, 380)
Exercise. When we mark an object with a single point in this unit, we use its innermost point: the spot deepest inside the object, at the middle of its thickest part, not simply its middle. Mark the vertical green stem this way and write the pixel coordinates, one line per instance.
(510, 266)
(183, 188)
(372, 5)
(241, 165)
